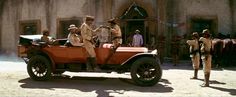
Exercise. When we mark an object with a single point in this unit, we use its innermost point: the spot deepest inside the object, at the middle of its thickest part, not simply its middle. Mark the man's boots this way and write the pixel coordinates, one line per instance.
(195, 74)
(94, 64)
(206, 83)
(89, 64)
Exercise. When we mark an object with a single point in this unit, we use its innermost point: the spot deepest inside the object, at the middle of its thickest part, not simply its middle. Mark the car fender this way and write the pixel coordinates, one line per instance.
(44, 53)
(129, 61)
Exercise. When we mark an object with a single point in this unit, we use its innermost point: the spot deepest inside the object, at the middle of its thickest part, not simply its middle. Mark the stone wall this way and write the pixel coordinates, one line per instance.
(184, 10)
(204, 8)
(234, 17)
(1, 11)
(47, 11)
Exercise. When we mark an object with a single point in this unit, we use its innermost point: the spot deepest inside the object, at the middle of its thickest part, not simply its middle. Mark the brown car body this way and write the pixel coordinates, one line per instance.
(68, 58)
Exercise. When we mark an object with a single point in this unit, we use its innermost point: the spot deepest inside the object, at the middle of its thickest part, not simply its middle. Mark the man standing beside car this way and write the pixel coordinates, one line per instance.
(87, 34)
(116, 33)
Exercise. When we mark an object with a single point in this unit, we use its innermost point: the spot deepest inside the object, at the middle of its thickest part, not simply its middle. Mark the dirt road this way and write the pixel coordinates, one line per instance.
(15, 82)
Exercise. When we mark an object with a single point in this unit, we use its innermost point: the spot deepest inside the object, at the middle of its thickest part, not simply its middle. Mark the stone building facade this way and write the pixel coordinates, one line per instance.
(154, 18)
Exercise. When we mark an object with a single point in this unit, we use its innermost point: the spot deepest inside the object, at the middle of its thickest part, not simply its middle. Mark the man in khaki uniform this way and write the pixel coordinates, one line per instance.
(194, 53)
(206, 47)
(116, 33)
(87, 34)
(45, 37)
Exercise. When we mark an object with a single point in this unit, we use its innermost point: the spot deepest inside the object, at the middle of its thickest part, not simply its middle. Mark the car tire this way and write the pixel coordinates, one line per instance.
(39, 68)
(146, 71)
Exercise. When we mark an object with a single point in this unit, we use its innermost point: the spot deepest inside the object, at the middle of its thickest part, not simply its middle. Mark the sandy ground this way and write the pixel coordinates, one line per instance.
(175, 82)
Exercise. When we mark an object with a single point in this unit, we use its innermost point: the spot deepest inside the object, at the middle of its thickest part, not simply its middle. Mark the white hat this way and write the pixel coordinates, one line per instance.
(72, 26)
(137, 31)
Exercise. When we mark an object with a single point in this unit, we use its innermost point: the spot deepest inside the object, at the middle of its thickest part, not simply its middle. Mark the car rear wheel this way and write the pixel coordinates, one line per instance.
(39, 68)
(146, 71)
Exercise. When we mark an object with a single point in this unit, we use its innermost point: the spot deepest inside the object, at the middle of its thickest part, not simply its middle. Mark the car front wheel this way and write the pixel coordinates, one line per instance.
(39, 68)
(146, 71)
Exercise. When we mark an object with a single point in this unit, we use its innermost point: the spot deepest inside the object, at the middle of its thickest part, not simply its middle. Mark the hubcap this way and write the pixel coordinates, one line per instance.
(39, 69)
(146, 72)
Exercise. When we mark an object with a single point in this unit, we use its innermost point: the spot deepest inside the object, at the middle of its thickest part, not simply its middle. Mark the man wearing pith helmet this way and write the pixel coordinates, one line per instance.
(87, 34)
(206, 48)
(194, 53)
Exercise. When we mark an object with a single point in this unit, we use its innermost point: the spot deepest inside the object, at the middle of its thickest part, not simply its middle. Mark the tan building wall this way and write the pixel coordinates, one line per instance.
(234, 17)
(48, 14)
(187, 11)
(162, 15)
(219, 9)
(46, 11)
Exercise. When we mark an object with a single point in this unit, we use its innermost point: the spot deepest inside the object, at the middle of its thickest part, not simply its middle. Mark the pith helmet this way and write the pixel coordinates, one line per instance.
(89, 18)
(206, 31)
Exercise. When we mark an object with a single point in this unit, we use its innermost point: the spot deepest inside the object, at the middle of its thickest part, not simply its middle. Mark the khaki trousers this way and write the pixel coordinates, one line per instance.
(89, 48)
(117, 42)
(196, 61)
(206, 60)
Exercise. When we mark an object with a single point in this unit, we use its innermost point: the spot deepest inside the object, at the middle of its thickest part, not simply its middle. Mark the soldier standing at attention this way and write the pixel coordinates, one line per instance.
(206, 47)
(116, 32)
(194, 53)
(87, 34)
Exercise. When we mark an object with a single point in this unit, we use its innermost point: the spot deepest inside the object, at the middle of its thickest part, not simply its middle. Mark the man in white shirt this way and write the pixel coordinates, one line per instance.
(137, 39)
(73, 38)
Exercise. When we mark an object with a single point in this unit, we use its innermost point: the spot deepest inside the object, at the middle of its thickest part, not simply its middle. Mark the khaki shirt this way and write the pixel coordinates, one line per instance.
(116, 31)
(46, 39)
(74, 39)
(193, 45)
(207, 44)
(87, 32)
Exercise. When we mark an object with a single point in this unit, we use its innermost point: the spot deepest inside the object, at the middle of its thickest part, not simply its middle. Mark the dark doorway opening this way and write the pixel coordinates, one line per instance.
(64, 25)
(134, 18)
(198, 25)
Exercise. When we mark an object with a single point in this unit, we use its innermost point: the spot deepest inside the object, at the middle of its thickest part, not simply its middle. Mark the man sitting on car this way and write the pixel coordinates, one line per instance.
(45, 37)
(73, 38)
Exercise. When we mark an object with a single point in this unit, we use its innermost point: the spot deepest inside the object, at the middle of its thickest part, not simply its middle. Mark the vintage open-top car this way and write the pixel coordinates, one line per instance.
(43, 60)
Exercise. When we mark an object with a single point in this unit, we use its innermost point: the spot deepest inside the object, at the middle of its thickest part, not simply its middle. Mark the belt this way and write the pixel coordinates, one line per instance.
(194, 52)
(117, 37)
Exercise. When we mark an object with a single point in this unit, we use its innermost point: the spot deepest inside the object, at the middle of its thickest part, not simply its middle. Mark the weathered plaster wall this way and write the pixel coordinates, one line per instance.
(47, 11)
(120, 6)
(1, 11)
(234, 18)
(202, 8)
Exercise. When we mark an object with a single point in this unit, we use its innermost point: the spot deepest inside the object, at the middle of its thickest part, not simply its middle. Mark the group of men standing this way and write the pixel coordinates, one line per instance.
(86, 38)
(201, 48)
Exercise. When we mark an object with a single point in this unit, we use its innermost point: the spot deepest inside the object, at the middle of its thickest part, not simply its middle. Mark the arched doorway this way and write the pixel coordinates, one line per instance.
(132, 19)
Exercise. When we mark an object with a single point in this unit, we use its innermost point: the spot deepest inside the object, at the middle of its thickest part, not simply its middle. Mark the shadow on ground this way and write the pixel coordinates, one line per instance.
(102, 86)
(231, 91)
(213, 81)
